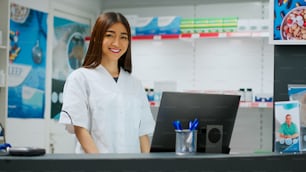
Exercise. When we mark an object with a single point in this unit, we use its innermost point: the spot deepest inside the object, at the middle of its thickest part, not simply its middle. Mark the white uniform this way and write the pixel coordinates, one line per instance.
(115, 113)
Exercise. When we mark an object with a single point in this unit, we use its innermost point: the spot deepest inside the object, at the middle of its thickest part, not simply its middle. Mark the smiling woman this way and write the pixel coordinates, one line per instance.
(109, 112)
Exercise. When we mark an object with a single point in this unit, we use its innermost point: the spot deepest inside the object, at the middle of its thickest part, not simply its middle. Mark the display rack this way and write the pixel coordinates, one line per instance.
(256, 104)
(242, 105)
(202, 35)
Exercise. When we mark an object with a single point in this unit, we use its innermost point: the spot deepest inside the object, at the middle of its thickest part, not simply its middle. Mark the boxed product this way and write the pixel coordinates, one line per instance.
(297, 92)
(146, 26)
(287, 126)
(243, 25)
(169, 25)
(263, 97)
(187, 25)
(229, 24)
(208, 25)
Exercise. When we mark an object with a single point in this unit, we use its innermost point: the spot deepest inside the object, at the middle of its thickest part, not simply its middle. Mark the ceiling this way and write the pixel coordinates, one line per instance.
(110, 4)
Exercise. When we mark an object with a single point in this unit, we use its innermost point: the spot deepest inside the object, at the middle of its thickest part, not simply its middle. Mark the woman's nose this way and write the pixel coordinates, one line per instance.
(116, 41)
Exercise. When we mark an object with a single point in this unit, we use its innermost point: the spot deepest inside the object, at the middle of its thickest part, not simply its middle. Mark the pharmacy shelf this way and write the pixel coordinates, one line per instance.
(202, 35)
(241, 104)
(256, 104)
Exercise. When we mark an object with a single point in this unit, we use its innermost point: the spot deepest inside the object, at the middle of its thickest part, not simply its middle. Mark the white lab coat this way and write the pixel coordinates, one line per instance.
(116, 114)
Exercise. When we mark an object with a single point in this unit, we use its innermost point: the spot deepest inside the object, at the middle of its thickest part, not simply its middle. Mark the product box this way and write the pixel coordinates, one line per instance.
(208, 25)
(298, 92)
(146, 26)
(287, 126)
(187, 25)
(243, 25)
(169, 25)
(263, 97)
(229, 24)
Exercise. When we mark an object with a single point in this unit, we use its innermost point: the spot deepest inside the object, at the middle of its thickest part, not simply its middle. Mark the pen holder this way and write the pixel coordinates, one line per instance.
(186, 142)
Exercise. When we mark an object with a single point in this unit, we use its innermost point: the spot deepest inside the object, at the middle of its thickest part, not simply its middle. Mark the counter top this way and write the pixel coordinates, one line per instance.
(154, 162)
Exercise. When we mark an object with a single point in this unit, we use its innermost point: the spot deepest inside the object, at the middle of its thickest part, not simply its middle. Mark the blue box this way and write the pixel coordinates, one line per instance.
(169, 25)
(146, 26)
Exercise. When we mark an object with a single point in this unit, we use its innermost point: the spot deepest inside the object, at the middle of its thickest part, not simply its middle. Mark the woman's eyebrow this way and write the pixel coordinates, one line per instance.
(111, 31)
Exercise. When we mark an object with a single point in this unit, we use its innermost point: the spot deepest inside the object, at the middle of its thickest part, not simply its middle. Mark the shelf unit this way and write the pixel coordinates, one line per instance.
(202, 35)
(242, 105)
(4, 54)
(256, 105)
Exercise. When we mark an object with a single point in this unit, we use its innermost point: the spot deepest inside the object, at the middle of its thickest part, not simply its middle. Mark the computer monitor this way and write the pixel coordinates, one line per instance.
(216, 114)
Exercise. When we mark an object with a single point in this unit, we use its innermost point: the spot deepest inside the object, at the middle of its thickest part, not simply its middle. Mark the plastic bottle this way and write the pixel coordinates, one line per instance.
(151, 94)
(249, 95)
(242, 94)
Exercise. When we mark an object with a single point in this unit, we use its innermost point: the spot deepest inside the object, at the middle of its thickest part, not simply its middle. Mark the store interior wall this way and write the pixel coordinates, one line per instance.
(195, 64)
(36, 132)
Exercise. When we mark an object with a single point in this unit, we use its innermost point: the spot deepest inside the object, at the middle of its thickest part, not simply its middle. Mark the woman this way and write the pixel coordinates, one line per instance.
(103, 104)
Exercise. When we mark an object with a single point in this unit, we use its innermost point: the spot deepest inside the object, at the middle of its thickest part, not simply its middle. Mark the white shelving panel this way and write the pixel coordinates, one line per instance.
(221, 61)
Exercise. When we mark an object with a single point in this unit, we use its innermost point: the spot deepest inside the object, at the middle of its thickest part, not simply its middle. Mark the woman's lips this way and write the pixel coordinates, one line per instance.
(114, 50)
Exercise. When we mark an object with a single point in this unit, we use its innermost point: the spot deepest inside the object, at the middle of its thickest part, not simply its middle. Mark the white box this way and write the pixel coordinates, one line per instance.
(287, 126)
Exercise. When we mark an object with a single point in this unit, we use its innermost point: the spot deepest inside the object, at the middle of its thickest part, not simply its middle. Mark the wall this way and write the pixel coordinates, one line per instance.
(289, 68)
(39, 132)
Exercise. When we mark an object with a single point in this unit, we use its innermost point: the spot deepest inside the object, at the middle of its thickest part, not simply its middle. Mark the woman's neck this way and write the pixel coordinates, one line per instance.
(112, 68)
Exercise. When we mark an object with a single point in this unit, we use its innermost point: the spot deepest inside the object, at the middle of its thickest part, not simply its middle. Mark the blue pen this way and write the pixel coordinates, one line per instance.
(177, 125)
(193, 124)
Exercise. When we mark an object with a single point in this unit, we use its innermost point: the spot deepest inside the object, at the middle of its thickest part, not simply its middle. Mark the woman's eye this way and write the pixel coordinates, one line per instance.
(109, 35)
(124, 37)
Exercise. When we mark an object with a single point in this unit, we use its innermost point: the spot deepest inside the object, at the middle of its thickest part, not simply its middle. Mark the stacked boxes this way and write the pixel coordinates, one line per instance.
(169, 25)
(205, 25)
(187, 25)
(229, 24)
(177, 25)
(146, 26)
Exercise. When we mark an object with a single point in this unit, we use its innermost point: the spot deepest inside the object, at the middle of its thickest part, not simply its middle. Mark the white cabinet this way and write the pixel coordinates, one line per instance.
(4, 56)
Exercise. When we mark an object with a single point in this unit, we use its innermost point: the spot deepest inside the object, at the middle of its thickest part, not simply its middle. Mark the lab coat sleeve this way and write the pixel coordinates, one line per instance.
(75, 102)
(147, 123)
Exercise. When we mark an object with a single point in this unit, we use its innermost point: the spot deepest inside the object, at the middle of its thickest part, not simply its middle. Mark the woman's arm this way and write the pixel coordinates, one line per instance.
(144, 144)
(85, 140)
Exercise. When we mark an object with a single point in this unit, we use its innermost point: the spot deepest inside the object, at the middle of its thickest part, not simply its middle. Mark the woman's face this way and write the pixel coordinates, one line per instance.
(115, 43)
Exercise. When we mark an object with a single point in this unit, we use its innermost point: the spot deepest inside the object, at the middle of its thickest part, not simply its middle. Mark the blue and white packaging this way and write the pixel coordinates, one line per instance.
(263, 97)
(287, 126)
(169, 25)
(297, 92)
(146, 26)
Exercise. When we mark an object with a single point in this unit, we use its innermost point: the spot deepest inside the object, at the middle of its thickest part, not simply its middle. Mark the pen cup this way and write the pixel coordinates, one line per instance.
(186, 142)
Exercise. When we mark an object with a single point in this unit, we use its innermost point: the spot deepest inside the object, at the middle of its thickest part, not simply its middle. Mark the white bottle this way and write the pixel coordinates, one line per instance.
(242, 94)
(249, 95)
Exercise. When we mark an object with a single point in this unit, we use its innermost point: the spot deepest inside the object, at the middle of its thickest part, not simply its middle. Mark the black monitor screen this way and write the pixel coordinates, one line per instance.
(216, 114)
